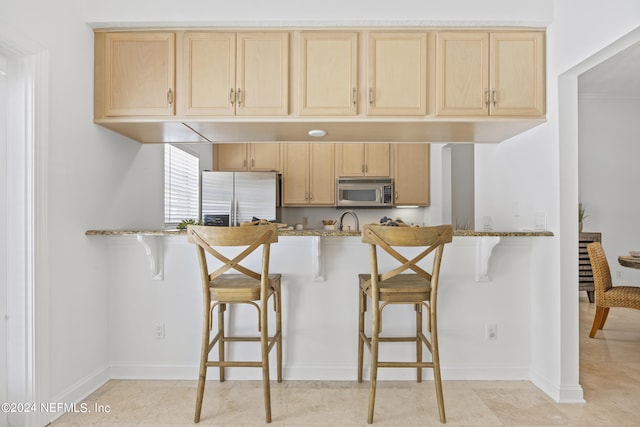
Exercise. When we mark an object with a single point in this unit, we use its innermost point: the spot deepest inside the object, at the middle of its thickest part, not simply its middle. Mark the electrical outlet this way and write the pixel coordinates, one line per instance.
(159, 331)
(492, 331)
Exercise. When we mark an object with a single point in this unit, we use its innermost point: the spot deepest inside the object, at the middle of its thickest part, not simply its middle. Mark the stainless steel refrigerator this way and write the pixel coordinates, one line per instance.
(229, 198)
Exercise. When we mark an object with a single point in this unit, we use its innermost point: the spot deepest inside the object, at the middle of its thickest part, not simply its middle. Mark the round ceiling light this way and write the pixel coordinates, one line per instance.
(317, 133)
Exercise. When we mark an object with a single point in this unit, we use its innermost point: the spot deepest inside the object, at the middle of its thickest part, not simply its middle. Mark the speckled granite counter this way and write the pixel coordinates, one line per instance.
(320, 233)
(485, 242)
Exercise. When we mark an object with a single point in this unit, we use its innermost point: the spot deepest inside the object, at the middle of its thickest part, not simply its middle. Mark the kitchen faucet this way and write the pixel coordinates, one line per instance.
(355, 218)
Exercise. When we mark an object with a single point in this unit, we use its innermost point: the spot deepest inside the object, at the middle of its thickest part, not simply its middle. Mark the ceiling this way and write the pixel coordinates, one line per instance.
(618, 76)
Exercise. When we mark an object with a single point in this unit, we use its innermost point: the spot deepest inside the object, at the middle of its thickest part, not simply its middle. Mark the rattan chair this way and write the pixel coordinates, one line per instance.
(607, 295)
(247, 287)
(418, 288)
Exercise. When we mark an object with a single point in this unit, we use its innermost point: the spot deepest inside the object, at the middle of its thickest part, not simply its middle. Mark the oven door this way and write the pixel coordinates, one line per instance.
(361, 195)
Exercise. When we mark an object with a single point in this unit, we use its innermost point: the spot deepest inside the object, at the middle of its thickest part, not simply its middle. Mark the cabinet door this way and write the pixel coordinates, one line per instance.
(350, 159)
(139, 74)
(328, 73)
(295, 174)
(322, 183)
(397, 74)
(264, 157)
(363, 160)
(517, 73)
(230, 157)
(463, 73)
(376, 160)
(411, 174)
(262, 86)
(209, 63)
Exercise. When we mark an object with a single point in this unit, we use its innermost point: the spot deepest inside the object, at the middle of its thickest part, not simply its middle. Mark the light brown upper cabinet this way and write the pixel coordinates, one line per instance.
(308, 174)
(363, 159)
(230, 74)
(134, 74)
(411, 175)
(397, 74)
(490, 73)
(328, 73)
(262, 157)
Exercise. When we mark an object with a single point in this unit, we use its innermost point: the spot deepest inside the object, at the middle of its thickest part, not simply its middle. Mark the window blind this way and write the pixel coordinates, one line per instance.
(181, 185)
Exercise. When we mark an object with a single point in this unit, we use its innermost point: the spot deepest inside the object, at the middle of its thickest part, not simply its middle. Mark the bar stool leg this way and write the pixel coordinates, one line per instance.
(419, 343)
(264, 344)
(435, 355)
(362, 305)
(204, 355)
(221, 309)
(278, 302)
(375, 331)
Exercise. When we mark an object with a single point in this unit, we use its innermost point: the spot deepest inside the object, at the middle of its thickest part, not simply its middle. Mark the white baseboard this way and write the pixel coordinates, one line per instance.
(77, 392)
(562, 393)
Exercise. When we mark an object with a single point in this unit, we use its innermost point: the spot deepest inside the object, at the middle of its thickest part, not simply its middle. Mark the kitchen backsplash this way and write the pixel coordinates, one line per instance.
(312, 217)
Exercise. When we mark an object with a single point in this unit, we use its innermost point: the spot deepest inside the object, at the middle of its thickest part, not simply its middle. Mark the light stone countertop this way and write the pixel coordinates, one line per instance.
(318, 232)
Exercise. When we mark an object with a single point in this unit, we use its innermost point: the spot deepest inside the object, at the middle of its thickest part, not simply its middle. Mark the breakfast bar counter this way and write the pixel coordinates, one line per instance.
(486, 279)
(318, 232)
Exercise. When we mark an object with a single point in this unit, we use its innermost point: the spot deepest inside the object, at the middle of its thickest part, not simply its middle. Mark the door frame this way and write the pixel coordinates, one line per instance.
(26, 147)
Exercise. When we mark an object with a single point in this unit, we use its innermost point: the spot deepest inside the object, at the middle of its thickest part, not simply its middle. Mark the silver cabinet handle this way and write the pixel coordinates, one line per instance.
(170, 97)
(486, 97)
(310, 196)
(370, 96)
(495, 98)
(232, 98)
(354, 94)
(239, 98)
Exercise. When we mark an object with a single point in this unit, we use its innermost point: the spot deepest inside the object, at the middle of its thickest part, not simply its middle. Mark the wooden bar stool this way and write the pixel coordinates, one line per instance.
(419, 289)
(247, 287)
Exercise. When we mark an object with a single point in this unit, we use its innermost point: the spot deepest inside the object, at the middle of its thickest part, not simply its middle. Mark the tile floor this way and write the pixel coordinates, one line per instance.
(609, 374)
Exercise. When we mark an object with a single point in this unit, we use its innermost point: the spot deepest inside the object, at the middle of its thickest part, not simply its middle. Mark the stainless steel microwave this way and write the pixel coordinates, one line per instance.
(365, 192)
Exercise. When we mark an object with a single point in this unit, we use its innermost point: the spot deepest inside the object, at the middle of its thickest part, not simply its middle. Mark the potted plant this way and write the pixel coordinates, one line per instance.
(582, 215)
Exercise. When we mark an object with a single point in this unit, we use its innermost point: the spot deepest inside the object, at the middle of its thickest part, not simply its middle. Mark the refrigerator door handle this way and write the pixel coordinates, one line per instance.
(236, 214)
(231, 213)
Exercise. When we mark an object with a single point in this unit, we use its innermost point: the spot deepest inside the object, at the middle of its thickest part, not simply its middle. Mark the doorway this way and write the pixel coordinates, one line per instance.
(568, 95)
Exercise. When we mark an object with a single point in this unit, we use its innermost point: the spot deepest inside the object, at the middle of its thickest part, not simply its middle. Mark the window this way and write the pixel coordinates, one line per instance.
(181, 185)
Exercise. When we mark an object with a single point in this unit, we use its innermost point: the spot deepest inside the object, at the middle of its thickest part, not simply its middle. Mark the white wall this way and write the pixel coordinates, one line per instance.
(609, 176)
(319, 315)
(97, 179)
